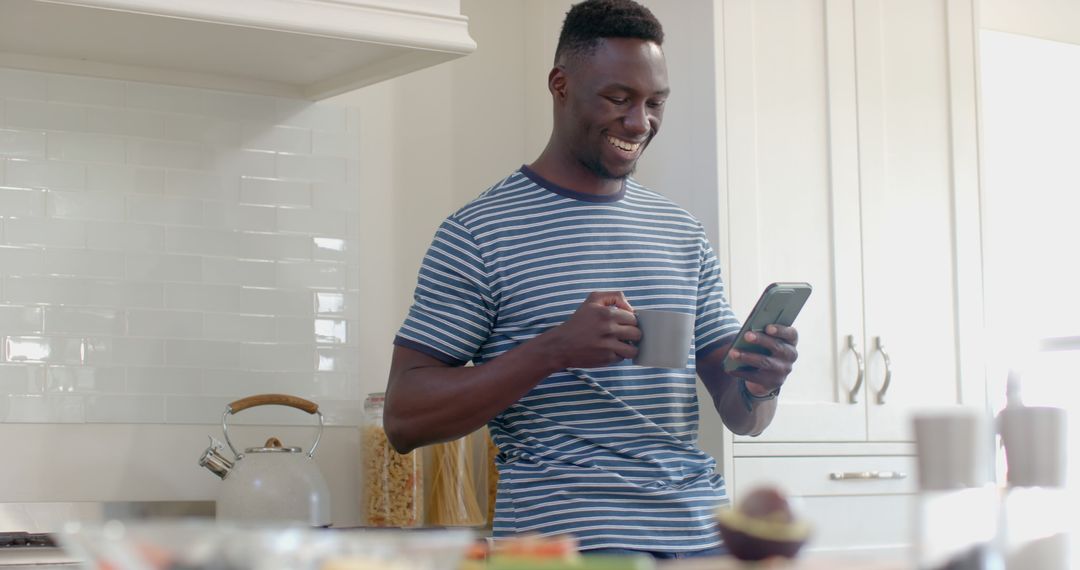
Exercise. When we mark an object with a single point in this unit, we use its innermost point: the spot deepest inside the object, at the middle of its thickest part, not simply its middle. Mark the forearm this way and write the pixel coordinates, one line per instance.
(430, 402)
(728, 401)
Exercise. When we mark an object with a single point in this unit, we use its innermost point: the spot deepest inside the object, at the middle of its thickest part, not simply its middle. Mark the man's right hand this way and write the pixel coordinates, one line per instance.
(597, 334)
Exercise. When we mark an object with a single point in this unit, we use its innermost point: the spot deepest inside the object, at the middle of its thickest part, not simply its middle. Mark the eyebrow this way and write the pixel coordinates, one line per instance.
(663, 92)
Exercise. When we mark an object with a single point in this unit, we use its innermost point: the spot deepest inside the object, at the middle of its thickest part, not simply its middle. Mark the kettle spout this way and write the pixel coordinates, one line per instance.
(213, 460)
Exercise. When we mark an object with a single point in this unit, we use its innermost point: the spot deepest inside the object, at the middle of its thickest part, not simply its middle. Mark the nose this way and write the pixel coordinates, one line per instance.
(637, 119)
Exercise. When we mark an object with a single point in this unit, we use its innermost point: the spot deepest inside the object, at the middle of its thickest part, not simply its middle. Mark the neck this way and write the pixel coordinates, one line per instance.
(566, 171)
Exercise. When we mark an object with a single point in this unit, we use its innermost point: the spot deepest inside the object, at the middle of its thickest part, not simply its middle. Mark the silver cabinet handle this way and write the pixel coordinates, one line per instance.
(866, 475)
(853, 395)
(888, 370)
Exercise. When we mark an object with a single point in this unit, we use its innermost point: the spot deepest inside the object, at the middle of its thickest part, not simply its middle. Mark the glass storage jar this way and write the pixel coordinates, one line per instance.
(453, 487)
(393, 489)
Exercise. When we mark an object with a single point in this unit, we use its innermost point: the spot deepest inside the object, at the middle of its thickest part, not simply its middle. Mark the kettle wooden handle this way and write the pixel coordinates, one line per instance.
(273, 400)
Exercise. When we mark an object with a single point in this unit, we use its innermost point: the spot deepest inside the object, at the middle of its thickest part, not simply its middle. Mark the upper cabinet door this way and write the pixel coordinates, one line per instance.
(918, 174)
(852, 164)
(794, 205)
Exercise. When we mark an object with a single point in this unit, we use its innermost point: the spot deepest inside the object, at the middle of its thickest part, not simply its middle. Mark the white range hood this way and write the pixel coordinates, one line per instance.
(309, 49)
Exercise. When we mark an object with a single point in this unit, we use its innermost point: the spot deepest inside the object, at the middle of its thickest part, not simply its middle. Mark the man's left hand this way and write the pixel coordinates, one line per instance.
(766, 373)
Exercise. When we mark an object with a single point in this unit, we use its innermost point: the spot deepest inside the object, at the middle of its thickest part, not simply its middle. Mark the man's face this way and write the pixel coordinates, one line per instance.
(614, 105)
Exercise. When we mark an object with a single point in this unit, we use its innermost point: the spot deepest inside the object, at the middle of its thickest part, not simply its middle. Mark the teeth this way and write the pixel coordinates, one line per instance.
(623, 145)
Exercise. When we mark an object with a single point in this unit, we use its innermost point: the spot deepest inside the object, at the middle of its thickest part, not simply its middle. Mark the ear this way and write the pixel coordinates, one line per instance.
(557, 82)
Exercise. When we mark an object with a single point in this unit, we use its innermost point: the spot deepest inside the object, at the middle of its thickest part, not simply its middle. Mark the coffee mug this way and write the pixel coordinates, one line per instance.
(665, 338)
(952, 449)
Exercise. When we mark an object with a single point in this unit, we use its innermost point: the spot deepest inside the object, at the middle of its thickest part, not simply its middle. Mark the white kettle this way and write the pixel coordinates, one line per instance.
(270, 483)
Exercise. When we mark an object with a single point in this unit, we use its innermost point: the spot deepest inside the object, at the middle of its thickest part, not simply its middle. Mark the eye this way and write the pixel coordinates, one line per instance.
(657, 104)
(617, 100)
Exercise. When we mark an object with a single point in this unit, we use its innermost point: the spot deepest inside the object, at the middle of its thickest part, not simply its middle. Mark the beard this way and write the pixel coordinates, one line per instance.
(596, 166)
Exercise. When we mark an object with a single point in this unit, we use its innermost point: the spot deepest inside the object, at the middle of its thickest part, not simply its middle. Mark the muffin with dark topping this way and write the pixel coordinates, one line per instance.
(762, 525)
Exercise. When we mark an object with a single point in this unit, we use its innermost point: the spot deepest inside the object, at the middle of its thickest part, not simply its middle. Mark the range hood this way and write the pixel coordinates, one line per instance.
(307, 49)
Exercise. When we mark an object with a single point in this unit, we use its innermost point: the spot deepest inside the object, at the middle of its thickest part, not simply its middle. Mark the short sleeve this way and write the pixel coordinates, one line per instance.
(716, 323)
(452, 311)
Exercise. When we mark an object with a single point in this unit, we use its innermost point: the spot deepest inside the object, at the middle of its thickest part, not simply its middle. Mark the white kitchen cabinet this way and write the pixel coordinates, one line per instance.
(308, 49)
(852, 163)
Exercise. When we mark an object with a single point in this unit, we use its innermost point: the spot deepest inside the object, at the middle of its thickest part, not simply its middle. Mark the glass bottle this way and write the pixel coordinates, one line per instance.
(392, 492)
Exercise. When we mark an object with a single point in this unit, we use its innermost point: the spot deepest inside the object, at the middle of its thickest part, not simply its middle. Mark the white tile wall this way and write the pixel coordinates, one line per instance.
(166, 250)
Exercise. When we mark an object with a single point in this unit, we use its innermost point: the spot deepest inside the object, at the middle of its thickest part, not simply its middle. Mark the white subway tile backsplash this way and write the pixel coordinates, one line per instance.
(318, 117)
(125, 236)
(44, 231)
(51, 174)
(199, 184)
(19, 84)
(165, 250)
(164, 98)
(234, 299)
(259, 136)
(165, 324)
(22, 379)
(85, 90)
(167, 210)
(217, 132)
(128, 122)
(124, 179)
(84, 263)
(84, 321)
(85, 205)
(243, 217)
(312, 221)
(315, 274)
(331, 331)
(41, 408)
(127, 351)
(86, 147)
(20, 320)
(314, 168)
(329, 303)
(32, 349)
(84, 292)
(22, 144)
(125, 409)
(236, 163)
(247, 328)
(273, 192)
(239, 272)
(22, 260)
(169, 154)
(85, 379)
(22, 202)
(142, 266)
(273, 246)
(44, 115)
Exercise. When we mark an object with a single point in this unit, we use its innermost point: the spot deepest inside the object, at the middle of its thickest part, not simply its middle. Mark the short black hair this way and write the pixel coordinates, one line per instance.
(589, 22)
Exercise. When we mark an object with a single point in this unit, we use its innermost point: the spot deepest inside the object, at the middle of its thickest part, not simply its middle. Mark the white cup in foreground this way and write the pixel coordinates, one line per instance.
(953, 449)
(665, 338)
(1035, 445)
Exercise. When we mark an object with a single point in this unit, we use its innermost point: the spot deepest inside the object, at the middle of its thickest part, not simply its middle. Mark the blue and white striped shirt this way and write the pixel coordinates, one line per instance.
(607, 454)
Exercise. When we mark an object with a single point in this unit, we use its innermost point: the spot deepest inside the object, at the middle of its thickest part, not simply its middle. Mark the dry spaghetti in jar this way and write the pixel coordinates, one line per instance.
(393, 488)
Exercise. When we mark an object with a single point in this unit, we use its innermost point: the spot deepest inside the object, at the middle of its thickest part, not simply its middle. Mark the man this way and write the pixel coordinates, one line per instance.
(535, 282)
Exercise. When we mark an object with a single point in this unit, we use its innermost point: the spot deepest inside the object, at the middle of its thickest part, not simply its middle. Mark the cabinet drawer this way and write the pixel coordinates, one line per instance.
(828, 476)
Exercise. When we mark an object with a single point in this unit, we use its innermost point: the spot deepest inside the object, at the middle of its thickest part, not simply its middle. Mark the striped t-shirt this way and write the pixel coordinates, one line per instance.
(607, 454)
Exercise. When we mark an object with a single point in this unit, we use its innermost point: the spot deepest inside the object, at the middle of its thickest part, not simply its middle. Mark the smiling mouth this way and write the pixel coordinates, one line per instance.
(625, 146)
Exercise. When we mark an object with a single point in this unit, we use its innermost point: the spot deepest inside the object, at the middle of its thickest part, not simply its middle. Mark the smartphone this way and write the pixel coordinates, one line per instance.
(779, 304)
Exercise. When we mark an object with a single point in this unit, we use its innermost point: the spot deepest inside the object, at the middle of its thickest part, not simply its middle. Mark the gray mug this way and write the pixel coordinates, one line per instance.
(665, 338)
